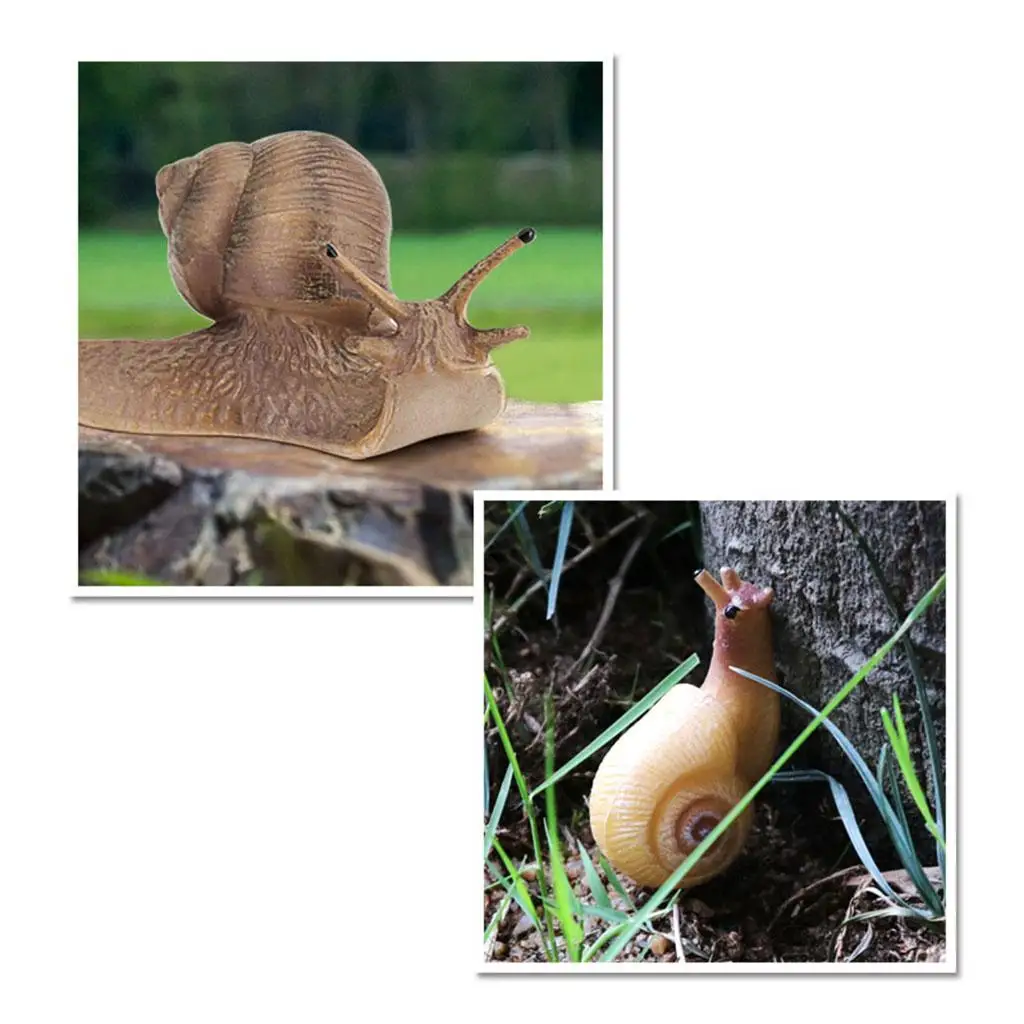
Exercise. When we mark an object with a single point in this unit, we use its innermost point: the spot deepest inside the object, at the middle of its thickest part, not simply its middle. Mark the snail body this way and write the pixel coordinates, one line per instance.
(670, 778)
(283, 244)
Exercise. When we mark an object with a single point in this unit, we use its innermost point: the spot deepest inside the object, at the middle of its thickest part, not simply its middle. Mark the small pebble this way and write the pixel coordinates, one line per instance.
(574, 869)
(523, 925)
(528, 874)
(500, 951)
(660, 944)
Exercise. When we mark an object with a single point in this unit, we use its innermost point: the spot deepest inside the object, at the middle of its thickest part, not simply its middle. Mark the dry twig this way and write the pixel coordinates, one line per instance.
(502, 621)
(614, 589)
(799, 894)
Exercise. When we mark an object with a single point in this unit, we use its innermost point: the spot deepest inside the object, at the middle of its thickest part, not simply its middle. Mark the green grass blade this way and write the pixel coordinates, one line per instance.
(624, 722)
(117, 578)
(487, 772)
(931, 740)
(564, 528)
(597, 890)
(894, 792)
(886, 912)
(665, 891)
(497, 917)
(681, 528)
(505, 881)
(601, 940)
(881, 767)
(605, 914)
(565, 904)
(499, 660)
(615, 882)
(499, 806)
(849, 819)
(515, 513)
(565, 900)
(901, 837)
(523, 897)
(524, 794)
(900, 743)
(528, 545)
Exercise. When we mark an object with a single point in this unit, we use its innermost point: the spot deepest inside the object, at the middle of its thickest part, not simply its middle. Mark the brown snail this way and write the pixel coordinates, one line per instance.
(670, 778)
(283, 243)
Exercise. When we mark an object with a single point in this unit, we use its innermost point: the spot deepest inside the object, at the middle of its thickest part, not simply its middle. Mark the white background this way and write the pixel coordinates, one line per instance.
(270, 810)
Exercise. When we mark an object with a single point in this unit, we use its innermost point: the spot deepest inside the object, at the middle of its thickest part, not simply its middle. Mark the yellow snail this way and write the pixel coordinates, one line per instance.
(284, 245)
(670, 778)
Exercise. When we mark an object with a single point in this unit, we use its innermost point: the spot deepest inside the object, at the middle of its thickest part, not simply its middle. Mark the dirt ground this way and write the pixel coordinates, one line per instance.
(787, 897)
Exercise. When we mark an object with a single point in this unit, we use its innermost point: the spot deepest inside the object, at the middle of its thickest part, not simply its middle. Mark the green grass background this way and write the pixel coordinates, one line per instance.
(553, 286)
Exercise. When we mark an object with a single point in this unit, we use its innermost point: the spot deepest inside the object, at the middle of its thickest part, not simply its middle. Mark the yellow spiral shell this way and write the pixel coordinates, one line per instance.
(664, 784)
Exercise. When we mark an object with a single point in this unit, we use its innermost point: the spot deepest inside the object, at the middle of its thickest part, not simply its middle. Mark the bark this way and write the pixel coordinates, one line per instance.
(830, 614)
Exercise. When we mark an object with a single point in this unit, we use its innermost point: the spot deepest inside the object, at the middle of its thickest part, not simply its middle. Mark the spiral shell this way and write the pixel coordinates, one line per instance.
(247, 224)
(664, 784)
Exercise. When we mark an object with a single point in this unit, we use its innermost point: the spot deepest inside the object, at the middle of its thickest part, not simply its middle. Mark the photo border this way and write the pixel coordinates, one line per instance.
(952, 599)
(90, 592)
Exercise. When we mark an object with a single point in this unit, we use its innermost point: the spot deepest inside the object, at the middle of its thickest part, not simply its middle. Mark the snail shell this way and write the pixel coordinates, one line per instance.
(247, 224)
(664, 785)
(671, 777)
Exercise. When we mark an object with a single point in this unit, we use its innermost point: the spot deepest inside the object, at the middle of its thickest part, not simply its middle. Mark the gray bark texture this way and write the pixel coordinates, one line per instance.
(830, 614)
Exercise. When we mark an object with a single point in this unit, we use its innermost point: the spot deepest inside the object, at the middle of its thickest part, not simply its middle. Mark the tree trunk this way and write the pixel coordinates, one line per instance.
(830, 615)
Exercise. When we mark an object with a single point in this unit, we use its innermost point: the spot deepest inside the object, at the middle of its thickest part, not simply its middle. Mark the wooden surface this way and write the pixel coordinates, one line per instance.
(531, 447)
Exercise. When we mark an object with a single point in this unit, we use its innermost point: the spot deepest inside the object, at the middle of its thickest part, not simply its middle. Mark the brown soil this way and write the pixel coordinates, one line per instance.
(787, 897)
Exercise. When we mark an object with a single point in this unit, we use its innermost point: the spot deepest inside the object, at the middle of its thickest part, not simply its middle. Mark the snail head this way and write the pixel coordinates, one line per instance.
(439, 324)
(733, 597)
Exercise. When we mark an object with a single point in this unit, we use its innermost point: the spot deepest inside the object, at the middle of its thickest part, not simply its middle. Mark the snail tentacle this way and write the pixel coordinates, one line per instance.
(457, 297)
(372, 292)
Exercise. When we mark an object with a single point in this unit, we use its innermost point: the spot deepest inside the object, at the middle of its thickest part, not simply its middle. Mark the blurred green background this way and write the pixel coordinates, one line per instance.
(469, 152)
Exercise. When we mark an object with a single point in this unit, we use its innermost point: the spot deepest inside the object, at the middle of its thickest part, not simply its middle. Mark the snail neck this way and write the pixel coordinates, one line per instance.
(746, 643)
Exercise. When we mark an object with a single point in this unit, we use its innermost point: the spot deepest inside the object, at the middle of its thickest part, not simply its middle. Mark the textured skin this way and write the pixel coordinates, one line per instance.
(269, 240)
(214, 382)
(693, 755)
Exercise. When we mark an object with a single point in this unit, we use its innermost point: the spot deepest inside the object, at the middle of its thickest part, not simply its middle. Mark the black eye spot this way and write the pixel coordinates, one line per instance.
(331, 251)
(730, 611)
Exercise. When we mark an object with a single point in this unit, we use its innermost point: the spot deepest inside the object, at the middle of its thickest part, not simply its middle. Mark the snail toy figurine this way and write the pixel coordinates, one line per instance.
(670, 778)
(283, 244)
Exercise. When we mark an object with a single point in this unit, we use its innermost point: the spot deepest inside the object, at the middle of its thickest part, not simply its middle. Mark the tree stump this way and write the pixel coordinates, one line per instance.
(215, 511)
